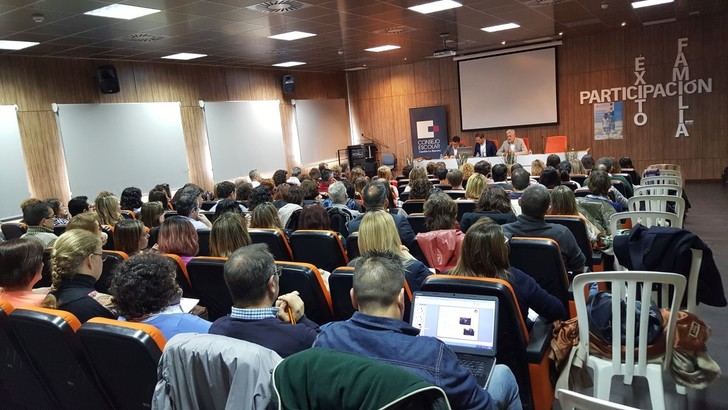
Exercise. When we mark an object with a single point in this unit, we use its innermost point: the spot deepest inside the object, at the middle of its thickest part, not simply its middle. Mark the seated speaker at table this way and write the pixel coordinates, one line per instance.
(512, 144)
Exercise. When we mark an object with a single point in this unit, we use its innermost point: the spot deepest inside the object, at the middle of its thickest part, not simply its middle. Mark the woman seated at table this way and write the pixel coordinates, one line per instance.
(485, 253)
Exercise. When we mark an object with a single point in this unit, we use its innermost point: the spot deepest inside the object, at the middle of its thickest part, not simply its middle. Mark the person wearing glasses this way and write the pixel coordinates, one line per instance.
(485, 253)
(259, 314)
(77, 264)
(40, 220)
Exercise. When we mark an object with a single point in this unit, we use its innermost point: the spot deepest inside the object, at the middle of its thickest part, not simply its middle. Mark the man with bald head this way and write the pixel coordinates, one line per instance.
(512, 144)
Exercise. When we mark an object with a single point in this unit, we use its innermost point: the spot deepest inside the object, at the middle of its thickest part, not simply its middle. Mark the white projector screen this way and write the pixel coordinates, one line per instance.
(323, 128)
(509, 90)
(15, 180)
(110, 147)
(244, 135)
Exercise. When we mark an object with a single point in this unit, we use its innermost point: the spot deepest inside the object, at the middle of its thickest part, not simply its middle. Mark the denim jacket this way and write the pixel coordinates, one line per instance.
(396, 342)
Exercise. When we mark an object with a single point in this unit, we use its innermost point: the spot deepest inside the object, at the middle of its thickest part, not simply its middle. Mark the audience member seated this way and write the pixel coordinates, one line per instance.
(550, 178)
(553, 161)
(587, 161)
(375, 198)
(485, 253)
(254, 176)
(227, 205)
(419, 189)
(536, 167)
(152, 214)
(27, 203)
(295, 176)
(310, 192)
(326, 180)
(243, 192)
(293, 198)
(430, 168)
(339, 198)
(259, 314)
(565, 176)
(159, 195)
(130, 236)
(626, 164)
(359, 185)
(278, 193)
(535, 202)
(60, 214)
(88, 221)
(265, 216)
(482, 167)
(178, 236)
(314, 217)
(441, 175)
(78, 205)
(563, 202)
(77, 265)
(229, 233)
(145, 290)
(280, 176)
(467, 169)
(188, 208)
(441, 244)
(21, 266)
(576, 167)
(415, 174)
(108, 210)
(476, 184)
(499, 172)
(377, 233)
(494, 204)
(377, 331)
(607, 164)
(259, 196)
(225, 190)
(40, 218)
(520, 179)
(599, 205)
(385, 173)
(131, 200)
(455, 179)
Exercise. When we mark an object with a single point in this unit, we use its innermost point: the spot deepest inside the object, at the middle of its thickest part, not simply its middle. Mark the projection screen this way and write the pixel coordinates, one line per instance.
(509, 90)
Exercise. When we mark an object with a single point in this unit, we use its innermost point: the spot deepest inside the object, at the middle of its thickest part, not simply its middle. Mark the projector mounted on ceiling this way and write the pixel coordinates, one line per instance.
(445, 51)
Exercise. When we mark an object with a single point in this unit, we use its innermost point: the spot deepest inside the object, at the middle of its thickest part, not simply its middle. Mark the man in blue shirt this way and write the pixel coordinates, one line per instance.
(375, 198)
(377, 331)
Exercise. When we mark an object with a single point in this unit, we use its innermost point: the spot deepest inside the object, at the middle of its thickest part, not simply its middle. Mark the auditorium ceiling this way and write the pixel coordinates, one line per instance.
(232, 33)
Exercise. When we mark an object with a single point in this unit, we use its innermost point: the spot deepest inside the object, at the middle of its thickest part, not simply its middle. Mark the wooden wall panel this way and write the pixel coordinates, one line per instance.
(35, 83)
(601, 60)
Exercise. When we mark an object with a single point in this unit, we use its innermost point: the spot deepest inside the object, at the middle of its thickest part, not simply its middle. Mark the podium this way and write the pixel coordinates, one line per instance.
(364, 156)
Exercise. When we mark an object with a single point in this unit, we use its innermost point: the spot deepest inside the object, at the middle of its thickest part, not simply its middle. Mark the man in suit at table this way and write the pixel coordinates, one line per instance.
(452, 149)
(512, 144)
(484, 147)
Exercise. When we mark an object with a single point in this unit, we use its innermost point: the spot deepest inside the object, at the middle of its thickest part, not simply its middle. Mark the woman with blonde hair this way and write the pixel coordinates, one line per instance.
(377, 233)
(152, 214)
(468, 170)
(265, 215)
(475, 187)
(576, 167)
(108, 208)
(178, 236)
(130, 236)
(229, 232)
(485, 253)
(77, 265)
(536, 167)
(88, 221)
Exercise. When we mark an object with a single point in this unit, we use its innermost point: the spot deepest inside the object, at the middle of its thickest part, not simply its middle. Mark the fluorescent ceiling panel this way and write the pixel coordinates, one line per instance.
(500, 27)
(292, 35)
(435, 6)
(16, 45)
(289, 64)
(184, 56)
(380, 49)
(648, 3)
(121, 11)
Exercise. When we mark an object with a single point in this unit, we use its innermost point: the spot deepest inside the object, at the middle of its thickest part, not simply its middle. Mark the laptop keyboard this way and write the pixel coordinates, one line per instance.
(478, 368)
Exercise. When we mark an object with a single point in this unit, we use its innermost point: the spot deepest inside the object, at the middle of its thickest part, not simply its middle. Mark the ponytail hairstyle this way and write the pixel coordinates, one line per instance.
(69, 251)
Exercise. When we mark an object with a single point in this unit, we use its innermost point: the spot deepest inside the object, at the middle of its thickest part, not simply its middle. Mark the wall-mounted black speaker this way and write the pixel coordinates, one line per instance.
(288, 84)
(108, 79)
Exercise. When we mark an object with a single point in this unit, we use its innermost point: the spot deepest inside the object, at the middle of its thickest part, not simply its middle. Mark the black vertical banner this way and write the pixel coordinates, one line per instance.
(428, 126)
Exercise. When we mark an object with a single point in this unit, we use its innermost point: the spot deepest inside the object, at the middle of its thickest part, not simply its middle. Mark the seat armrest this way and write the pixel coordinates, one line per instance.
(539, 340)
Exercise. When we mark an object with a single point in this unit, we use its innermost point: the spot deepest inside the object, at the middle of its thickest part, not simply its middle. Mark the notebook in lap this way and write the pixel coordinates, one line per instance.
(466, 323)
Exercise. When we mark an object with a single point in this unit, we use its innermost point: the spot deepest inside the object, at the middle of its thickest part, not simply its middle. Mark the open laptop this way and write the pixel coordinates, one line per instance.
(466, 323)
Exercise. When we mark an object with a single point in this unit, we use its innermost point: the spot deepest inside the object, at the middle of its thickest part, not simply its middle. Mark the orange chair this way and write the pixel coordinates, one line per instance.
(556, 144)
(311, 286)
(181, 275)
(276, 241)
(323, 249)
(524, 352)
(125, 357)
(526, 142)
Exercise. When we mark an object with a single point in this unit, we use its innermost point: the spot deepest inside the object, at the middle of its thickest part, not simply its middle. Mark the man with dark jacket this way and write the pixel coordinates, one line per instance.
(259, 315)
(376, 330)
(375, 198)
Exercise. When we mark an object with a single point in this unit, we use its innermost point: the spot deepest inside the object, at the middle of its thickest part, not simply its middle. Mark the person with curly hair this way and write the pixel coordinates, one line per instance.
(77, 265)
(131, 200)
(260, 194)
(144, 290)
(419, 189)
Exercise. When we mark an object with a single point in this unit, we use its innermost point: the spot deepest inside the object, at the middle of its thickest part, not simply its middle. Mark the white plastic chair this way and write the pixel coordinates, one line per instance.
(666, 190)
(626, 285)
(659, 203)
(662, 180)
(645, 218)
(571, 400)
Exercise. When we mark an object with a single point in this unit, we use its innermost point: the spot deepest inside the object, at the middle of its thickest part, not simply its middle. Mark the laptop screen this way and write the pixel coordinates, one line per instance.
(467, 323)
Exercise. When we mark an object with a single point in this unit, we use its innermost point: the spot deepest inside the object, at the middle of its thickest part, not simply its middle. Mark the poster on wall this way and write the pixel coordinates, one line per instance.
(428, 127)
(608, 120)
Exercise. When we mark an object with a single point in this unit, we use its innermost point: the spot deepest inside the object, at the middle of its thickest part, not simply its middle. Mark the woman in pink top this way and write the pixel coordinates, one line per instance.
(21, 266)
(441, 244)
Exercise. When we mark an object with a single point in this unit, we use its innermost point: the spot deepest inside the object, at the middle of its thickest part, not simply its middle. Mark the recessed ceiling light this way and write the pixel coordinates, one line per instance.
(503, 42)
(561, 33)
(289, 64)
(623, 24)
(184, 56)
(648, 3)
(292, 35)
(435, 6)
(364, 67)
(379, 49)
(121, 11)
(500, 27)
(16, 45)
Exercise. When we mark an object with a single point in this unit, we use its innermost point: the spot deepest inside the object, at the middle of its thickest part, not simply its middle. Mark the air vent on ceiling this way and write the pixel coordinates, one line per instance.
(277, 6)
(394, 30)
(144, 37)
